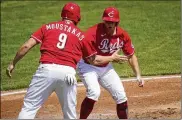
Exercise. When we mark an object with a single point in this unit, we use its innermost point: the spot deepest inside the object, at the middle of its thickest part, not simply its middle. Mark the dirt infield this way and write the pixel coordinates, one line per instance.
(158, 99)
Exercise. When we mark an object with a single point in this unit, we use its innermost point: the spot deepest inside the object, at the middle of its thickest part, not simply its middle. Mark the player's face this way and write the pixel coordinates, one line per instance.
(110, 26)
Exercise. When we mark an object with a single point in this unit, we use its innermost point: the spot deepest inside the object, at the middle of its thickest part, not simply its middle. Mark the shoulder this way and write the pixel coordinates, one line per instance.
(121, 30)
(94, 29)
(53, 22)
(48, 25)
(122, 33)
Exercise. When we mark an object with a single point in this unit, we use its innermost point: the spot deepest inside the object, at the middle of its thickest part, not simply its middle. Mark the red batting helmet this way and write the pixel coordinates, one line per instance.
(111, 14)
(71, 11)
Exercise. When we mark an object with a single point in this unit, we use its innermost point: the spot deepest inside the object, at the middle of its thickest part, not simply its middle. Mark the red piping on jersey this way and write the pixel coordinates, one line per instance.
(36, 39)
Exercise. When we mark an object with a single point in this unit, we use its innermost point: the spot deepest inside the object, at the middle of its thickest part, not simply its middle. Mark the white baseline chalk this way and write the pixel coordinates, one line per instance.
(81, 84)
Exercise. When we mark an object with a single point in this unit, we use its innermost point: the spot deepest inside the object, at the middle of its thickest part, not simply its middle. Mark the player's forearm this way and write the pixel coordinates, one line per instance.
(135, 66)
(20, 54)
(23, 50)
(99, 60)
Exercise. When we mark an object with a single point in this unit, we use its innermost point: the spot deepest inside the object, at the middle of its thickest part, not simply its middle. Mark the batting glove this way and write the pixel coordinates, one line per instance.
(70, 79)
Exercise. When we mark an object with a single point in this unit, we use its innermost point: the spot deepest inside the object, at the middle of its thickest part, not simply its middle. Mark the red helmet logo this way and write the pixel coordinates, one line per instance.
(111, 14)
(71, 11)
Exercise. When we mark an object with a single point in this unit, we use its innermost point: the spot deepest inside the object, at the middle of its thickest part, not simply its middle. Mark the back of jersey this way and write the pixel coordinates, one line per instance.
(60, 43)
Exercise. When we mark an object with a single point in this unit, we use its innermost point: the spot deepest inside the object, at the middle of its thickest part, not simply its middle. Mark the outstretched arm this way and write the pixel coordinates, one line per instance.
(115, 57)
(135, 67)
(20, 54)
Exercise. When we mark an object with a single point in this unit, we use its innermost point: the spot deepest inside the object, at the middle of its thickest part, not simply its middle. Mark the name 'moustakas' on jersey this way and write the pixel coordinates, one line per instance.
(60, 43)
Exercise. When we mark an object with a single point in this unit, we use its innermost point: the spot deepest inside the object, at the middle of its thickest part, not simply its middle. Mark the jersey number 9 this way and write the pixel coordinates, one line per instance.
(62, 41)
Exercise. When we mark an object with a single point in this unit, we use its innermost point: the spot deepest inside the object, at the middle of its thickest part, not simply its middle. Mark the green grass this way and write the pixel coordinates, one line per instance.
(154, 27)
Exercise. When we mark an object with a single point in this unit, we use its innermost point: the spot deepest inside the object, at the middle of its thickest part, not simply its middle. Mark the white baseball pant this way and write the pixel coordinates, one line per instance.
(47, 79)
(92, 76)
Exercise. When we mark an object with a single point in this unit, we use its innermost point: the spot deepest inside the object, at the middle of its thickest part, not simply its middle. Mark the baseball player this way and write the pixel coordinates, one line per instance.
(61, 49)
(59, 55)
(106, 37)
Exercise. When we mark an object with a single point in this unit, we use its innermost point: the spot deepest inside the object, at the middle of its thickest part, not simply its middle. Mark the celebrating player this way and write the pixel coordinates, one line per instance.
(61, 49)
(56, 72)
(106, 37)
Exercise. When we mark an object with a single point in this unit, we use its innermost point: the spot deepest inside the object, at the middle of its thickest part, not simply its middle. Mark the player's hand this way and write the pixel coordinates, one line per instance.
(123, 59)
(9, 70)
(70, 79)
(140, 82)
(119, 58)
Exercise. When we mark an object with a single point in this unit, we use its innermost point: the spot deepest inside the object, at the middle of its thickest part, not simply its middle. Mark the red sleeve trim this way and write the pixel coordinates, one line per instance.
(131, 53)
(36, 39)
(91, 55)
